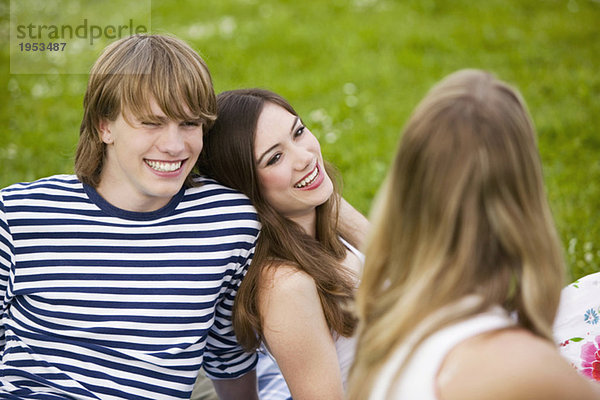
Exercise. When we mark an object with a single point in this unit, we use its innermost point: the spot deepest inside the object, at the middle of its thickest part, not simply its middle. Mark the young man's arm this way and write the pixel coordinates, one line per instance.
(244, 387)
(352, 224)
(6, 260)
(226, 363)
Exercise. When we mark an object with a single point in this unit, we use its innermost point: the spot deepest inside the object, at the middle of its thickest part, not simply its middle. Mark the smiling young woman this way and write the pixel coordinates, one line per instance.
(295, 299)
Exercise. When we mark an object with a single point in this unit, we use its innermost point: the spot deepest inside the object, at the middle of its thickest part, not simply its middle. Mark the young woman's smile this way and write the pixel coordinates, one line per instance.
(312, 180)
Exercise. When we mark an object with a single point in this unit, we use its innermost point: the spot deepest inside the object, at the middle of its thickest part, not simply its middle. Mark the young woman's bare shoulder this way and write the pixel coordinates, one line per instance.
(289, 303)
(509, 364)
(286, 280)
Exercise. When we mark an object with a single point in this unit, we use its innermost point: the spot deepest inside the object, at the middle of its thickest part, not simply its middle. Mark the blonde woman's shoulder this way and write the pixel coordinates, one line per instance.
(510, 364)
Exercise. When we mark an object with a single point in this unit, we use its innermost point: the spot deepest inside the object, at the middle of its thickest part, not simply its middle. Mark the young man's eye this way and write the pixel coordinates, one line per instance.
(274, 159)
(148, 123)
(191, 123)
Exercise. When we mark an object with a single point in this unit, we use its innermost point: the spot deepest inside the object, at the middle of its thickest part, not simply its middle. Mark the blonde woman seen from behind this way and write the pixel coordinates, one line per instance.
(463, 267)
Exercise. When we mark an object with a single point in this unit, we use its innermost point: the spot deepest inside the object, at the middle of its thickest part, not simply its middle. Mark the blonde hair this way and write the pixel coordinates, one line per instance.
(463, 212)
(127, 75)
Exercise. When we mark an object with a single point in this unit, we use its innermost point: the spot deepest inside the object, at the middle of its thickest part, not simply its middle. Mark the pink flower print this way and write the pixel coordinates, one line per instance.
(590, 356)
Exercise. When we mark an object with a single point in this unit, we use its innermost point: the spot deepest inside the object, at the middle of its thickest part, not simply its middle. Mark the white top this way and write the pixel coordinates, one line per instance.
(346, 346)
(418, 379)
(354, 250)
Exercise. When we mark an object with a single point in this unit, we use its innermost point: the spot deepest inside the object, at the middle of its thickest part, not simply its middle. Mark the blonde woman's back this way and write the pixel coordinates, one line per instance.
(463, 214)
(483, 357)
(511, 365)
(419, 378)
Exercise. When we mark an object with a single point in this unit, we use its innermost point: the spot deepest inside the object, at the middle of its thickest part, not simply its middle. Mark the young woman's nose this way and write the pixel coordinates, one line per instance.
(304, 158)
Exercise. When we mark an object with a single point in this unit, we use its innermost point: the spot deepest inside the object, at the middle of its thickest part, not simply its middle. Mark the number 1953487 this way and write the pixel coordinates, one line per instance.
(50, 46)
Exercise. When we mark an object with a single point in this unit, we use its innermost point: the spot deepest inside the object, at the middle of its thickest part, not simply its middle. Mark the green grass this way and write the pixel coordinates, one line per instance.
(354, 69)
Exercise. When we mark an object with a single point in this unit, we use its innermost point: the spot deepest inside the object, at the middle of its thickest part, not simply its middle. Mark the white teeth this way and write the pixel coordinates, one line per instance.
(162, 166)
(309, 179)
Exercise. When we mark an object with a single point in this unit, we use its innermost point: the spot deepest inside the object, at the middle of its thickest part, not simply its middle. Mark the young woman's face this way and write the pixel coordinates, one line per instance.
(289, 163)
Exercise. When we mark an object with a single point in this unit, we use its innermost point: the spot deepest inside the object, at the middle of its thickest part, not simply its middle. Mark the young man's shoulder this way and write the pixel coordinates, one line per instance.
(205, 183)
(212, 198)
(57, 193)
(46, 187)
(209, 190)
(60, 182)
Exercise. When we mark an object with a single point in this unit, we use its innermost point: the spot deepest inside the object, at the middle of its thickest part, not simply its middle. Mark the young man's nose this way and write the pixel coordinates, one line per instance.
(171, 139)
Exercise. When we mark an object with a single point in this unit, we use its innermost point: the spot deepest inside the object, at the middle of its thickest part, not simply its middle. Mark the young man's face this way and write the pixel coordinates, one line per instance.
(146, 163)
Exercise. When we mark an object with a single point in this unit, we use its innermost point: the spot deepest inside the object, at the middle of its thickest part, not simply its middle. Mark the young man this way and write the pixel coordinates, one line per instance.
(118, 283)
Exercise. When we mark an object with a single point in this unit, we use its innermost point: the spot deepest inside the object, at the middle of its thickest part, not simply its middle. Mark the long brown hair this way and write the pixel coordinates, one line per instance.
(463, 214)
(228, 156)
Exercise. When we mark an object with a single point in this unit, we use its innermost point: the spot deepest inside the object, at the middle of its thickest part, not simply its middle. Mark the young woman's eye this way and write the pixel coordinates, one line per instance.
(299, 131)
(274, 159)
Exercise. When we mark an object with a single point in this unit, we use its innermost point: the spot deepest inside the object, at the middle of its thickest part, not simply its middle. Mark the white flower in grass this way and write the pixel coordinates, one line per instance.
(331, 137)
(572, 245)
(351, 101)
(200, 31)
(349, 88)
(227, 26)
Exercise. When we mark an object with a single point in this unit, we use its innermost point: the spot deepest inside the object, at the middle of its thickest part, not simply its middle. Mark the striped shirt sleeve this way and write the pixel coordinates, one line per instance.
(6, 261)
(224, 358)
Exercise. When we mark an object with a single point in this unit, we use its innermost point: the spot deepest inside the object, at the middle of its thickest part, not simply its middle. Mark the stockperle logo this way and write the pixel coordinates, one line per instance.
(66, 36)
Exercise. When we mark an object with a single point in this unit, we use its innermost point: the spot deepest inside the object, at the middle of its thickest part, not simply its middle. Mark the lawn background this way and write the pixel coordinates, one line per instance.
(354, 70)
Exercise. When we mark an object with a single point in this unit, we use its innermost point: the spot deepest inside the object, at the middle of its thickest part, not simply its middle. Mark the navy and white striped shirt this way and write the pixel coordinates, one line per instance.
(102, 303)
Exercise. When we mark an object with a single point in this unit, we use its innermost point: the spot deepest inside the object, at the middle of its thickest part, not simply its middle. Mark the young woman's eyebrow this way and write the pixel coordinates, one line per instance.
(266, 152)
(277, 144)
(294, 123)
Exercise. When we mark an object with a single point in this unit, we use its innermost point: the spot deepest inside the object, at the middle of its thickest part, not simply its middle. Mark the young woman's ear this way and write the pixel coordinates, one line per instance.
(104, 130)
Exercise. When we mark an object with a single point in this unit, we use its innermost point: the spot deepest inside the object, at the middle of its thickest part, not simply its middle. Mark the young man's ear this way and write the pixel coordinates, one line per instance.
(104, 130)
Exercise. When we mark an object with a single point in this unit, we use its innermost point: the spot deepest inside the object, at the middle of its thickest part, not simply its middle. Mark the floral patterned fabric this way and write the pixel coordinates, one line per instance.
(577, 325)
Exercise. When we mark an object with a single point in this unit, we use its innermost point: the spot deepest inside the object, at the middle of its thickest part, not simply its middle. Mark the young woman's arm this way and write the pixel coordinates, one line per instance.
(297, 335)
(511, 364)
